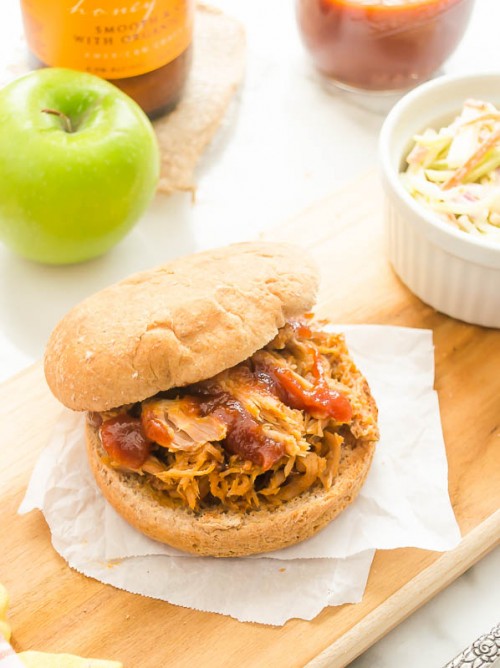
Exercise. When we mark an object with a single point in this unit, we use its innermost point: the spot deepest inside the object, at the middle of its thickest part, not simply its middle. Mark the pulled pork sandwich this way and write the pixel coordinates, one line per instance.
(221, 418)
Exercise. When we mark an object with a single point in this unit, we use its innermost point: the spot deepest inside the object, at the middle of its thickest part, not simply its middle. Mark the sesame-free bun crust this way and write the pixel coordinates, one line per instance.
(176, 324)
(220, 533)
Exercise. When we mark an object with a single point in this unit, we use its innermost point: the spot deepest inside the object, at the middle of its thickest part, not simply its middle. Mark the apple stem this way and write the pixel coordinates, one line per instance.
(65, 119)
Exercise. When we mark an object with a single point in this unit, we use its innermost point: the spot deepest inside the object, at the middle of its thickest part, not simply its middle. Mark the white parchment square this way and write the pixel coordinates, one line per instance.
(404, 502)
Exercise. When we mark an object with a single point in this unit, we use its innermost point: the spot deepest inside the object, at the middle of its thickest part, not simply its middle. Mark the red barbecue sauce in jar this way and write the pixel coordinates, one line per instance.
(381, 45)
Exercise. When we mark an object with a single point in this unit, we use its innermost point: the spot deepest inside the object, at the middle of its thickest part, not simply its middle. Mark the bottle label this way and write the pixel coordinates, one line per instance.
(113, 39)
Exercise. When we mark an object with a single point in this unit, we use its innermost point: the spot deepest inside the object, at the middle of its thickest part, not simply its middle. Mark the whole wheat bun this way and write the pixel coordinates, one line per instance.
(177, 324)
(223, 533)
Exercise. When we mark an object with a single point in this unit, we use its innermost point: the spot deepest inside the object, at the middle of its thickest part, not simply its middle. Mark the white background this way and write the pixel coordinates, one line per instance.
(285, 144)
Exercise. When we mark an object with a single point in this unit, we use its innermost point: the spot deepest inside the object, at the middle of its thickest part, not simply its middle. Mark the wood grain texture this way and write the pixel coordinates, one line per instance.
(417, 591)
(56, 609)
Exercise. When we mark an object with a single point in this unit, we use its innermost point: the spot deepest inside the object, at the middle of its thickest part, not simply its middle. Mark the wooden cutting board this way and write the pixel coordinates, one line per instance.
(56, 609)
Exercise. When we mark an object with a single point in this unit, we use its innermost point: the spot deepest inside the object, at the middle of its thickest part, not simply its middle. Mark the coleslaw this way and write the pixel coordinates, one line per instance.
(455, 171)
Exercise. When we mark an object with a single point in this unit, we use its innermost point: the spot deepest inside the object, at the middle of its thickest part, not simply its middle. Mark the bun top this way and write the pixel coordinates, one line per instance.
(176, 324)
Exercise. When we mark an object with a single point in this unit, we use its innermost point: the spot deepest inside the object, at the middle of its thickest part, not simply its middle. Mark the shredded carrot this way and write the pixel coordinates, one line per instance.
(462, 172)
(482, 119)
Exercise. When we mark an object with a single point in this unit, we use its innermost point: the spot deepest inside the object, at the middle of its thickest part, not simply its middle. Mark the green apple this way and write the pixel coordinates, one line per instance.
(79, 164)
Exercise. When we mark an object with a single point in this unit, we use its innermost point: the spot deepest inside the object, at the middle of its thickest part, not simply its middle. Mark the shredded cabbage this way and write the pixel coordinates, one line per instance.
(455, 171)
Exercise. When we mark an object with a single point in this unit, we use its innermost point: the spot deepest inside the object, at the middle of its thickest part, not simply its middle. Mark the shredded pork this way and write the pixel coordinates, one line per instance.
(196, 459)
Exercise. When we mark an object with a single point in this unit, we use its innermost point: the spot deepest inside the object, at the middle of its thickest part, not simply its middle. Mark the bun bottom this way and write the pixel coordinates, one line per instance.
(222, 533)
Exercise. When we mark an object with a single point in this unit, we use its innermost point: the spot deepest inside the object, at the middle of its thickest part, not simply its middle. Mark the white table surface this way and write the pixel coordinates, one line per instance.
(285, 144)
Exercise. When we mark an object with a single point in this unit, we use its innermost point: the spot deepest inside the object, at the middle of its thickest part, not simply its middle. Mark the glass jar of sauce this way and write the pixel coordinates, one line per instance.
(141, 46)
(381, 45)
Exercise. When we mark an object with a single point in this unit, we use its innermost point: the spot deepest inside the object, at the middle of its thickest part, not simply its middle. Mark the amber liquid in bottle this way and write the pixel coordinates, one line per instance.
(141, 46)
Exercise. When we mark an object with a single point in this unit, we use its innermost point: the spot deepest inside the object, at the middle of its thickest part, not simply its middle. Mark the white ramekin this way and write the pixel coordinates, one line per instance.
(456, 273)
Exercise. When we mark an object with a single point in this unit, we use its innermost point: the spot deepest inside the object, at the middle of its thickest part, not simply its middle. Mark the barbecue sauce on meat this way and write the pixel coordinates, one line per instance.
(320, 401)
(245, 436)
(123, 439)
(126, 442)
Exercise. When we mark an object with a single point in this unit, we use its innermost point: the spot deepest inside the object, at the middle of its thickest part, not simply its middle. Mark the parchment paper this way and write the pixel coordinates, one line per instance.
(404, 502)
